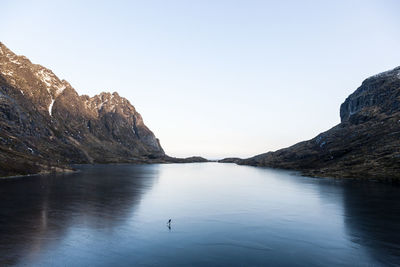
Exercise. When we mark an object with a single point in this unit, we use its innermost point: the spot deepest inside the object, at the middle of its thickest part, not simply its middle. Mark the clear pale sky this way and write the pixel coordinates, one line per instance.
(213, 78)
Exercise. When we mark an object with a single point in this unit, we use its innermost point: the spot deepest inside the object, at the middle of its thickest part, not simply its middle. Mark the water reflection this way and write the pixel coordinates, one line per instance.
(372, 219)
(36, 212)
(222, 215)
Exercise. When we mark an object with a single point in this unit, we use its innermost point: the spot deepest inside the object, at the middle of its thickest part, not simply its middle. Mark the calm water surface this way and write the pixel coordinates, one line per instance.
(222, 215)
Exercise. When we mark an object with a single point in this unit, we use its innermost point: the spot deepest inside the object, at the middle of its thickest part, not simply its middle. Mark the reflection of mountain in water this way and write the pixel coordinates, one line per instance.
(39, 211)
(374, 225)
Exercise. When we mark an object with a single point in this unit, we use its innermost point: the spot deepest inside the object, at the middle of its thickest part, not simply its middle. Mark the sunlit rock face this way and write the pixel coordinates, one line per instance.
(45, 123)
(366, 144)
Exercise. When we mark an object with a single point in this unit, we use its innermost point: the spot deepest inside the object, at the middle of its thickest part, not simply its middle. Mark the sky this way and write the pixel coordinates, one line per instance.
(215, 78)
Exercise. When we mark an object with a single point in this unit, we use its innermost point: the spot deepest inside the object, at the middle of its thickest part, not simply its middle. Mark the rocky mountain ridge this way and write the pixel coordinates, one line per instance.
(366, 143)
(45, 125)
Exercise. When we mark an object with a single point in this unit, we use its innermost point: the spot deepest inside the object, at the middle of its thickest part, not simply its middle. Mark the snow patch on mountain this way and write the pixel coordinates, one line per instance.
(13, 58)
(387, 73)
(8, 72)
(45, 77)
(51, 106)
(51, 81)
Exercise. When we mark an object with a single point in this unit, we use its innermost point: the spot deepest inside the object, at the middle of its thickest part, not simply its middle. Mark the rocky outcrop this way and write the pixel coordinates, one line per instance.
(376, 98)
(366, 144)
(193, 159)
(230, 160)
(45, 124)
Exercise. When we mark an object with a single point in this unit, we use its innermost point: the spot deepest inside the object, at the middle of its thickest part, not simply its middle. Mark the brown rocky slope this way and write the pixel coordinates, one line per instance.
(45, 125)
(366, 144)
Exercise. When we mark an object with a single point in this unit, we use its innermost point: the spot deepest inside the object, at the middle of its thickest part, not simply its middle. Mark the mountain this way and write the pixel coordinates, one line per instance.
(45, 125)
(365, 144)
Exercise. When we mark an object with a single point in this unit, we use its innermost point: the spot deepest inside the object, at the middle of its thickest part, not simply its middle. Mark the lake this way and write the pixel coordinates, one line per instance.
(222, 215)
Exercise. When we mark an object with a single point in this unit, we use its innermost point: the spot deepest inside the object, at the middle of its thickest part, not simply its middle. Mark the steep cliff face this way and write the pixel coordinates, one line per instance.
(366, 144)
(377, 97)
(44, 123)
